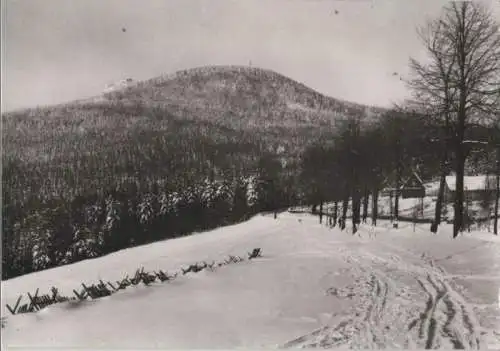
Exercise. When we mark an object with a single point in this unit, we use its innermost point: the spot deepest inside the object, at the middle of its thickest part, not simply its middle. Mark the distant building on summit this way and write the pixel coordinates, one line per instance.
(118, 85)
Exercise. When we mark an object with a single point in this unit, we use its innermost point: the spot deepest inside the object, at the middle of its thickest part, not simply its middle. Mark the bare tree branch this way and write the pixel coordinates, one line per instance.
(460, 82)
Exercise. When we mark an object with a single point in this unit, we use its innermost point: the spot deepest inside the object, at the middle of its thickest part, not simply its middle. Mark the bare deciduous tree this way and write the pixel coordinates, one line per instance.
(459, 81)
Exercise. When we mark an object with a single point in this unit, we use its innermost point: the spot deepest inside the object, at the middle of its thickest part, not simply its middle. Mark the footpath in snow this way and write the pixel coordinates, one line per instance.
(313, 287)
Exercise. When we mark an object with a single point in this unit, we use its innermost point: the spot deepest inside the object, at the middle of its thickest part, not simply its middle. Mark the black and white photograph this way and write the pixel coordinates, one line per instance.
(250, 174)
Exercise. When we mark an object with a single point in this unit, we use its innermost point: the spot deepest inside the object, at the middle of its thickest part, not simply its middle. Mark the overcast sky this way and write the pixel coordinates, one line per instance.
(60, 50)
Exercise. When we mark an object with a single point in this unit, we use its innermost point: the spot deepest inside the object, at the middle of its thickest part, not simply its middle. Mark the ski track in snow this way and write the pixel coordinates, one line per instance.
(445, 320)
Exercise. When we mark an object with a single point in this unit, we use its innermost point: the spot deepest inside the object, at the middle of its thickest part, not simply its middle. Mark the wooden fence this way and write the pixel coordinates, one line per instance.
(37, 302)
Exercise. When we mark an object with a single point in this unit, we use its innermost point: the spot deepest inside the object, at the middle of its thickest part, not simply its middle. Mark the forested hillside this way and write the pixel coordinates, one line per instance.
(165, 157)
(186, 152)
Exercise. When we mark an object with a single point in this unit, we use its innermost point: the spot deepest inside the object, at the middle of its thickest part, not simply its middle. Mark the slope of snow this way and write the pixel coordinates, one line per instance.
(314, 286)
(472, 183)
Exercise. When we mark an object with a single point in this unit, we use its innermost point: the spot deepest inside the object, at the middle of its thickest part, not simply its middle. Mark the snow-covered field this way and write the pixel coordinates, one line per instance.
(314, 286)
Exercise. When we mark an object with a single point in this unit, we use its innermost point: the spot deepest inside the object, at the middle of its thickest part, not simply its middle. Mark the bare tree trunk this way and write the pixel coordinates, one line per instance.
(497, 193)
(335, 211)
(458, 221)
(463, 88)
(439, 203)
(374, 206)
(391, 212)
(356, 207)
(396, 205)
(398, 185)
(345, 204)
(321, 212)
(365, 205)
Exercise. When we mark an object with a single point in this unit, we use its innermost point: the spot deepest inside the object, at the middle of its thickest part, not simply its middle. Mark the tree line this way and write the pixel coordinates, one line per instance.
(454, 112)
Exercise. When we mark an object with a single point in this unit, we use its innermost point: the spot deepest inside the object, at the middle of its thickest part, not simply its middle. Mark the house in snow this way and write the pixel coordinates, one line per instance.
(413, 187)
(410, 187)
(475, 187)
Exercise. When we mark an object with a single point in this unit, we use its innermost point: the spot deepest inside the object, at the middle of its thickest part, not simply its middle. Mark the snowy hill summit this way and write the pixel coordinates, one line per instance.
(252, 95)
